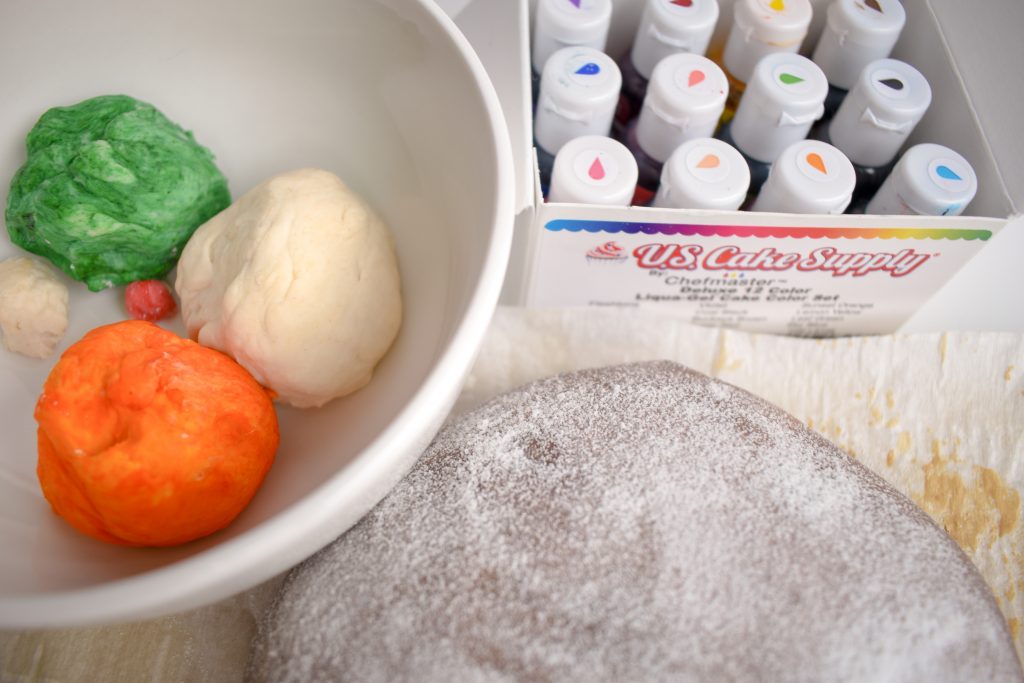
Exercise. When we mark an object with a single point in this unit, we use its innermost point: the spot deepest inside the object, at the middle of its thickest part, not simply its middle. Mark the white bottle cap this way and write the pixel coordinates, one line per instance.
(579, 90)
(685, 99)
(565, 23)
(761, 27)
(928, 180)
(703, 174)
(810, 176)
(856, 33)
(671, 26)
(783, 99)
(881, 110)
(594, 169)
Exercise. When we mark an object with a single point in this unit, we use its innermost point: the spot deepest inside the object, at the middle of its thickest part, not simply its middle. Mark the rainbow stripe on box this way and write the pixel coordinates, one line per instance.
(690, 230)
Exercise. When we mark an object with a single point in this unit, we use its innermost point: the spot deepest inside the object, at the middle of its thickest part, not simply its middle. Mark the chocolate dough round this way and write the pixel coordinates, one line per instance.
(111, 191)
(636, 523)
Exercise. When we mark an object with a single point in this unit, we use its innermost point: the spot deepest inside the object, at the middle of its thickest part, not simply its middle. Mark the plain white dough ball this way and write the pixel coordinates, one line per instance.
(298, 281)
(33, 307)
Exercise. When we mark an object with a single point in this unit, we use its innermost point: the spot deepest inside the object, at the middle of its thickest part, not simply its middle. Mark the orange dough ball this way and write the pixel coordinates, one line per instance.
(148, 439)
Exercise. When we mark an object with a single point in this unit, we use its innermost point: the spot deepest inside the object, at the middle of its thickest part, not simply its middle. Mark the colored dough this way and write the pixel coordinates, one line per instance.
(149, 439)
(111, 191)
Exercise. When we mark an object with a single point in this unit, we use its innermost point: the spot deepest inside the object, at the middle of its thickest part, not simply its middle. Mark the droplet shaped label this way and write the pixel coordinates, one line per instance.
(816, 162)
(947, 173)
(778, 5)
(576, 3)
(596, 170)
(894, 83)
(589, 69)
(709, 161)
(873, 4)
(790, 79)
(696, 76)
(683, 3)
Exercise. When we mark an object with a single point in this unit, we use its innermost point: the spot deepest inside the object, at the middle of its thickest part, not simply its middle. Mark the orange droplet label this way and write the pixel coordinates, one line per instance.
(696, 76)
(815, 160)
(778, 5)
(709, 161)
(596, 170)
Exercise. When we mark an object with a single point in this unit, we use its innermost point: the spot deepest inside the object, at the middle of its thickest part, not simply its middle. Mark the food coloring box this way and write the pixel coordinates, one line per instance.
(797, 274)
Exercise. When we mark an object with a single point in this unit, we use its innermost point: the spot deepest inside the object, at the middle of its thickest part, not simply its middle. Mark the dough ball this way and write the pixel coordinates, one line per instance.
(149, 439)
(33, 307)
(298, 281)
(111, 191)
(636, 523)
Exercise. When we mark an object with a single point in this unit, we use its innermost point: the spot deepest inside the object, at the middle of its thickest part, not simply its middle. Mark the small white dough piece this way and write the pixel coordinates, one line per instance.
(298, 282)
(33, 307)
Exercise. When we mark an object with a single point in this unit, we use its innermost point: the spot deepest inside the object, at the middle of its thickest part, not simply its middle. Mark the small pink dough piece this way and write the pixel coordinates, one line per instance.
(149, 300)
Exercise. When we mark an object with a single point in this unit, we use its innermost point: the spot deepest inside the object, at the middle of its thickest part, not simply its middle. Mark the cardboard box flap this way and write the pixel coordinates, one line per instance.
(979, 43)
(503, 54)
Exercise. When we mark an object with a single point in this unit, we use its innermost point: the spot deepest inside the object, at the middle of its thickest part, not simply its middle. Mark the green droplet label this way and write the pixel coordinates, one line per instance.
(790, 79)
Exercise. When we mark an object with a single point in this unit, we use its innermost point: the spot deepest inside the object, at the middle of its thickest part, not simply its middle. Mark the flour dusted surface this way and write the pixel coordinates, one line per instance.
(641, 522)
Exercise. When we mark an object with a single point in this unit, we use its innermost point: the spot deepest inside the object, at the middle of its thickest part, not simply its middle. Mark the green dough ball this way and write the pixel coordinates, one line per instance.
(111, 191)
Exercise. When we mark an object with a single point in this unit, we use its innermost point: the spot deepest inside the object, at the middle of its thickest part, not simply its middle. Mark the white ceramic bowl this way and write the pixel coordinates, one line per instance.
(385, 93)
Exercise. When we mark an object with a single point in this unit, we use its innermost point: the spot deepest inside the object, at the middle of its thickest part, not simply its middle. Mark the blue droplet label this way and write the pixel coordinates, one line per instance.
(947, 173)
(589, 69)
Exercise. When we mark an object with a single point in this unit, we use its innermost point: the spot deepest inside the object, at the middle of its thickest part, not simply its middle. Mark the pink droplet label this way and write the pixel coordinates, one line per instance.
(596, 170)
(696, 76)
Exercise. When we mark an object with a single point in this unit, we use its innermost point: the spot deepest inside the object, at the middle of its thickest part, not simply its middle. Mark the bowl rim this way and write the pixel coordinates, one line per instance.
(272, 547)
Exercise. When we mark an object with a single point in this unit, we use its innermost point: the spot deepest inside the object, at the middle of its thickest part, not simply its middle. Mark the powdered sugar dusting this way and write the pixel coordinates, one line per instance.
(641, 522)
